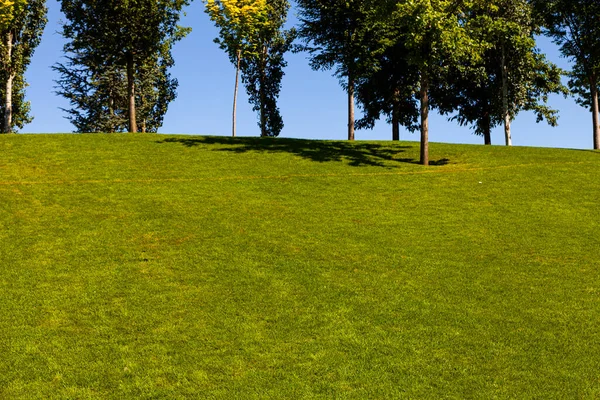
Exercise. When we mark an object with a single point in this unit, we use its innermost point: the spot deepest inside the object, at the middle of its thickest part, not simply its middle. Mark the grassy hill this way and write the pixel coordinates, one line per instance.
(150, 266)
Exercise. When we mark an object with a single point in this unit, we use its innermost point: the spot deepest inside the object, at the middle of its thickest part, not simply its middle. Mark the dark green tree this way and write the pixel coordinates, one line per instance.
(99, 99)
(511, 76)
(122, 36)
(575, 27)
(387, 90)
(435, 34)
(334, 33)
(20, 38)
(386, 82)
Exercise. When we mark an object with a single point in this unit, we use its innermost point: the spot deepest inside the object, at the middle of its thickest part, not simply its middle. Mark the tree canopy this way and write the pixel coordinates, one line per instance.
(132, 38)
(575, 27)
(334, 34)
(23, 25)
(253, 35)
(511, 76)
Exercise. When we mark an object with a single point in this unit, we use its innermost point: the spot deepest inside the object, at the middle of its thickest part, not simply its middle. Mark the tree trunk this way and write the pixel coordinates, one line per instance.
(487, 127)
(595, 116)
(263, 95)
(505, 110)
(131, 93)
(396, 119)
(424, 93)
(487, 133)
(350, 107)
(235, 92)
(8, 111)
(144, 113)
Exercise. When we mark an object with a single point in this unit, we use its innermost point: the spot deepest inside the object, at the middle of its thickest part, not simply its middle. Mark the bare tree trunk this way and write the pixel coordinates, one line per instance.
(505, 110)
(396, 118)
(235, 92)
(424, 119)
(131, 93)
(350, 107)
(594, 92)
(8, 111)
(263, 96)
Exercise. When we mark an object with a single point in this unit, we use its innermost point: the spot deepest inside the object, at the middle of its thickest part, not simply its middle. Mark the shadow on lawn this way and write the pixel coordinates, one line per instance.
(357, 154)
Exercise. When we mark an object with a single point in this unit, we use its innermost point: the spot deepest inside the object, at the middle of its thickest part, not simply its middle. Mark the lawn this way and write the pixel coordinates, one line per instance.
(151, 266)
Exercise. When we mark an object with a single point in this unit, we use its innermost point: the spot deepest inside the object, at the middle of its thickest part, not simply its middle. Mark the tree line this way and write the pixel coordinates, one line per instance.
(475, 61)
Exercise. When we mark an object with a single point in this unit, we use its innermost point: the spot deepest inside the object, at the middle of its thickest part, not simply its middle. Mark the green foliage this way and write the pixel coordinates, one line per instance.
(104, 36)
(574, 26)
(26, 25)
(8, 10)
(388, 88)
(436, 35)
(178, 267)
(252, 33)
(506, 29)
(386, 81)
(262, 77)
(239, 23)
(98, 94)
(334, 33)
(579, 85)
(437, 39)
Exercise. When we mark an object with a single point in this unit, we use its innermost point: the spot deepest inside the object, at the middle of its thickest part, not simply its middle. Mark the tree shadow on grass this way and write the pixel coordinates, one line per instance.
(588, 151)
(355, 153)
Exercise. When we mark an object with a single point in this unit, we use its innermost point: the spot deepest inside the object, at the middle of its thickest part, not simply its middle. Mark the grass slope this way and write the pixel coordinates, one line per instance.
(147, 266)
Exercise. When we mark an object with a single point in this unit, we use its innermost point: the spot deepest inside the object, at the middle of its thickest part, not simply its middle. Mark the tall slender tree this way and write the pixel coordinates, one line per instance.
(239, 23)
(23, 24)
(262, 73)
(575, 27)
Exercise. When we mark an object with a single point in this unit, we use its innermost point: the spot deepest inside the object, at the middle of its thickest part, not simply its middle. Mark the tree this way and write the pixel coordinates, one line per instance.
(99, 98)
(262, 73)
(387, 89)
(511, 76)
(239, 23)
(333, 32)
(124, 36)
(23, 24)
(386, 82)
(436, 36)
(575, 27)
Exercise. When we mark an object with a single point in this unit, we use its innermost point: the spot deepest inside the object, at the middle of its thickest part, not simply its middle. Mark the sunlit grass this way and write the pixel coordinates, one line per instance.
(149, 266)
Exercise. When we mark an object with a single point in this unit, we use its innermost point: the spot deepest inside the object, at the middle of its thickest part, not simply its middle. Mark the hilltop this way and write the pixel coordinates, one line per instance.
(155, 266)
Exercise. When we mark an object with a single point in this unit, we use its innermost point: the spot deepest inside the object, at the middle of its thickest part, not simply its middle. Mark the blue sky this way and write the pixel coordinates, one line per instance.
(312, 103)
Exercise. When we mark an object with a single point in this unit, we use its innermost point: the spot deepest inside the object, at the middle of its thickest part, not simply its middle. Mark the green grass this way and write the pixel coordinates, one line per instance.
(149, 266)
